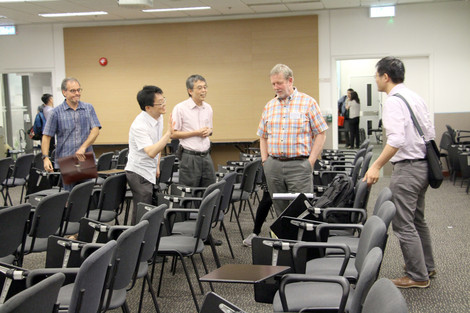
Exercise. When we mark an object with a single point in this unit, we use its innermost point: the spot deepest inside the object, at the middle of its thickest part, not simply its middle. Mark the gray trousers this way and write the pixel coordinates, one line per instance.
(142, 191)
(409, 183)
(196, 171)
(287, 176)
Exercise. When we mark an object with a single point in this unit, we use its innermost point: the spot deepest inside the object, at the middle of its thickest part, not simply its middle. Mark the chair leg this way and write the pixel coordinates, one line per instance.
(205, 269)
(214, 251)
(222, 226)
(234, 211)
(197, 274)
(251, 211)
(161, 276)
(189, 282)
(152, 293)
(125, 308)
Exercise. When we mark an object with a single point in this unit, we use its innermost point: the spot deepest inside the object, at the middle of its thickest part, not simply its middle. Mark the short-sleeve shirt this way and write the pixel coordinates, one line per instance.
(145, 131)
(188, 116)
(72, 127)
(291, 124)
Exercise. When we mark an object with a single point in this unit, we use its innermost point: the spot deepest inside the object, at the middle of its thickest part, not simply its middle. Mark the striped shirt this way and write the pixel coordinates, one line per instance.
(72, 127)
(291, 124)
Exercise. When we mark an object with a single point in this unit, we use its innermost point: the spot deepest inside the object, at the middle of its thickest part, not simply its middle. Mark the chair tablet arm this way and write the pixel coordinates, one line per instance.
(294, 278)
(191, 190)
(322, 227)
(169, 212)
(37, 275)
(115, 231)
(362, 212)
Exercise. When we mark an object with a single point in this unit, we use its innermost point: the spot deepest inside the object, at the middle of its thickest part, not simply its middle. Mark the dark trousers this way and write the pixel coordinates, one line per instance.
(354, 131)
(262, 211)
(142, 191)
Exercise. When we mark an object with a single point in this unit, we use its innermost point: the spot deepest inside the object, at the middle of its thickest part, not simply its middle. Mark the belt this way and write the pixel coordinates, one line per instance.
(203, 153)
(411, 161)
(284, 159)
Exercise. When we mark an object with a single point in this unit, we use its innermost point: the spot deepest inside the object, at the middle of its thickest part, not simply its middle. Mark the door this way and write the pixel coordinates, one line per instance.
(371, 110)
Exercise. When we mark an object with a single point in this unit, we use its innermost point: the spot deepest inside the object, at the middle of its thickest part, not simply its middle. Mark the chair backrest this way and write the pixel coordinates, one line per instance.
(206, 211)
(365, 164)
(122, 158)
(79, 198)
(362, 195)
(366, 142)
(105, 161)
(48, 215)
(360, 153)
(90, 280)
(5, 168)
(213, 303)
(127, 252)
(229, 179)
(446, 141)
(220, 185)
(384, 297)
(12, 227)
(380, 124)
(113, 192)
(384, 195)
(155, 217)
(386, 212)
(451, 132)
(373, 235)
(38, 162)
(22, 166)
(356, 170)
(40, 298)
(166, 168)
(249, 176)
(367, 277)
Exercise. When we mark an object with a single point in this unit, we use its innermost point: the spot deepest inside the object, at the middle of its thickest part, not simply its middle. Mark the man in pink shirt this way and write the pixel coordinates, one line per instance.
(192, 124)
(406, 151)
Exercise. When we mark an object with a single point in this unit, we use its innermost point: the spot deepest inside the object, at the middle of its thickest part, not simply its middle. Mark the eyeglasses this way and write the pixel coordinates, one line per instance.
(202, 87)
(161, 102)
(75, 90)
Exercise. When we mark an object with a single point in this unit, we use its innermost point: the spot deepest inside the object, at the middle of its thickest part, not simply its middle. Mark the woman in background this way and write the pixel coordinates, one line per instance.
(354, 107)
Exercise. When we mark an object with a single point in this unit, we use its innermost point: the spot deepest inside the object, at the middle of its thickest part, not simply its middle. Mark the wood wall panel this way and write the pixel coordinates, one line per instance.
(235, 57)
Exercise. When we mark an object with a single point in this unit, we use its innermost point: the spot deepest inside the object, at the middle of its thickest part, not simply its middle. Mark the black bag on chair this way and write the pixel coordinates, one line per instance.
(435, 175)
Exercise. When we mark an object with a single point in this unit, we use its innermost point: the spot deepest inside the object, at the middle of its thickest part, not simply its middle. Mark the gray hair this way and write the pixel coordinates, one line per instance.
(192, 79)
(63, 86)
(282, 69)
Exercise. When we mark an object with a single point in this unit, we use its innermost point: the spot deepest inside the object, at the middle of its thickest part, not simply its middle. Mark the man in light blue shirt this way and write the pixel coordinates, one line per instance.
(74, 122)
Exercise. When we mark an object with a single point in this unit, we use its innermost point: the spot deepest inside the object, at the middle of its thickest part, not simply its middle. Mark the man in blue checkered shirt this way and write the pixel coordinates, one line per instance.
(74, 122)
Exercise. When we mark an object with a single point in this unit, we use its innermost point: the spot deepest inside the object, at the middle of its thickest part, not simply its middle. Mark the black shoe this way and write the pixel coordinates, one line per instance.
(217, 242)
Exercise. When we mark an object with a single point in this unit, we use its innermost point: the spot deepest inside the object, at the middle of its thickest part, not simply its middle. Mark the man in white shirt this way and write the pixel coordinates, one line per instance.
(406, 150)
(145, 144)
(192, 125)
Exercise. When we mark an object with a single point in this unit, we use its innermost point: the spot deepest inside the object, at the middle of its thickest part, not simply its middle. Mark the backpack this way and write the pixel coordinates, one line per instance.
(35, 132)
(339, 194)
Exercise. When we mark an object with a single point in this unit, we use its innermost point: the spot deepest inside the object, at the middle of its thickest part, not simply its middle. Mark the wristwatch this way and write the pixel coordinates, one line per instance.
(44, 156)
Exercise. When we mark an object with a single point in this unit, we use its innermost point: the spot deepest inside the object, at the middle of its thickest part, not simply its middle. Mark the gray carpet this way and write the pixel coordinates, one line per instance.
(448, 213)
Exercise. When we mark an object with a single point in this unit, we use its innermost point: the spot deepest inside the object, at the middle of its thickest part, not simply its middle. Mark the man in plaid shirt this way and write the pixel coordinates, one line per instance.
(292, 134)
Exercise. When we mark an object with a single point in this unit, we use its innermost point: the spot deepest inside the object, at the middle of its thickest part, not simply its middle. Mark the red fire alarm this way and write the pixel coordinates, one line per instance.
(103, 61)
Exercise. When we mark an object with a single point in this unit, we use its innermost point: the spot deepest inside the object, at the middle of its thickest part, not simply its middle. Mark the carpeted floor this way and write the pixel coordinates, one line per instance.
(447, 212)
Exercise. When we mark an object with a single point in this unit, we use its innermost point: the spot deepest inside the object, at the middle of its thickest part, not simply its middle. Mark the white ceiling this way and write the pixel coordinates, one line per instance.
(27, 12)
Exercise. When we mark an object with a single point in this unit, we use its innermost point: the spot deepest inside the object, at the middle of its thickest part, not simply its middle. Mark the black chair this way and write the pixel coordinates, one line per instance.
(377, 132)
(111, 197)
(5, 168)
(458, 136)
(242, 194)
(83, 291)
(384, 297)
(122, 158)
(166, 172)
(444, 145)
(13, 223)
(465, 168)
(77, 206)
(46, 221)
(104, 163)
(182, 246)
(18, 176)
(213, 303)
(40, 298)
(311, 293)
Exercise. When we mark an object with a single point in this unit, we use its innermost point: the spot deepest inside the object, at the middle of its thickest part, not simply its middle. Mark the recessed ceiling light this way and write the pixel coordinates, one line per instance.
(176, 9)
(72, 14)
